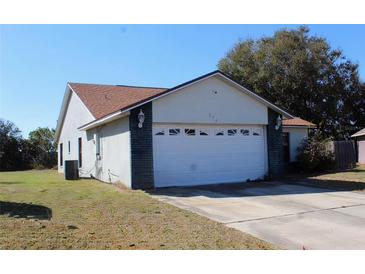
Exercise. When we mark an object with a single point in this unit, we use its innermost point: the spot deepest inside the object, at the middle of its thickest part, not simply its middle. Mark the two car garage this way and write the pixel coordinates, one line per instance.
(195, 155)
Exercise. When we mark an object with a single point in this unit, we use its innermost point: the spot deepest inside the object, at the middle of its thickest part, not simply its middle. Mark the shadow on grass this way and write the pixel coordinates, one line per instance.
(23, 210)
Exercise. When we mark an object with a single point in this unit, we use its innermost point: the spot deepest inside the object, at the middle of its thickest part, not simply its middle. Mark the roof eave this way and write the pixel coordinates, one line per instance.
(300, 126)
(102, 121)
(61, 115)
(357, 135)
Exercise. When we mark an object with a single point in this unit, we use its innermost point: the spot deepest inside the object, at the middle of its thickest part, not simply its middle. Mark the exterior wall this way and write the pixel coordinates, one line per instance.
(211, 101)
(114, 164)
(274, 146)
(141, 148)
(361, 149)
(296, 136)
(76, 115)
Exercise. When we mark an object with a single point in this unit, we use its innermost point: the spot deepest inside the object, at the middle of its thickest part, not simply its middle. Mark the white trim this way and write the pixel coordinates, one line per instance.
(62, 114)
(114, 116)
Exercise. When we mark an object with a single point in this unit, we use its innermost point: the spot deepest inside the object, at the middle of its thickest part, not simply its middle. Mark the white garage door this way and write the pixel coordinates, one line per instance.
(192, 155)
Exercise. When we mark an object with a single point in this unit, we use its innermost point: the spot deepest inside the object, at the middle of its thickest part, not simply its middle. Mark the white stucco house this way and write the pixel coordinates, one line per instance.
(206, 131)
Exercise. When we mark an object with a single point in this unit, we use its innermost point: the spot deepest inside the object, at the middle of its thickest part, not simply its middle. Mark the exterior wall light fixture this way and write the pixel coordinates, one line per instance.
(140, 118)
(279, 122)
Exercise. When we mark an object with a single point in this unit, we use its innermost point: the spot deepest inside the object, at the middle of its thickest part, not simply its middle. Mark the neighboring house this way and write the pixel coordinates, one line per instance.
(205, 131)
(360, 139)
(294, 131)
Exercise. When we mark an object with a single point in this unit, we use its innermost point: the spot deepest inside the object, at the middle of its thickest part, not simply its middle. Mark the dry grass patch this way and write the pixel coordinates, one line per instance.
(40, 210)
(343, 180)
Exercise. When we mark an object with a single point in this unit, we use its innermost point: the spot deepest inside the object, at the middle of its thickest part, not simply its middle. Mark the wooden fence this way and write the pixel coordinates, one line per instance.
(345, 154)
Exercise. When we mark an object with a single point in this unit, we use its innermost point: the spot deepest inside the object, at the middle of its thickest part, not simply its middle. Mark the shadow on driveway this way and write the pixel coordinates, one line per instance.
(237, 190)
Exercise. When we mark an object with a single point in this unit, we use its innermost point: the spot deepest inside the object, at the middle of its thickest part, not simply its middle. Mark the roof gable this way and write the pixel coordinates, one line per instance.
(211, 100)
(64, 109)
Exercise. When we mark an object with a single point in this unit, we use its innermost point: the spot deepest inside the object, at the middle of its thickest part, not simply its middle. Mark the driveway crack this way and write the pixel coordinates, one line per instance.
(293, 214)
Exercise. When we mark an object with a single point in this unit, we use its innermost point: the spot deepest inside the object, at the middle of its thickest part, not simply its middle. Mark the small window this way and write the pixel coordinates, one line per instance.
(232, 132)
(256, 132)
(174, 131)
(69, 147)
(80, 152)
(219, 133)
(203, 132)
(190, 131)
(61, 154)
(97, 145)
(160, 132)
(245, 132)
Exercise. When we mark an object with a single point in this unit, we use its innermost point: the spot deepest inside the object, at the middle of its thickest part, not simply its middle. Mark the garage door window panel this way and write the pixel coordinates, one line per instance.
(256, 132)
(190, 131)
(174, 131)
(203, 132)
(159, 132)
(232, 132)
(219, 132)
(245, 132)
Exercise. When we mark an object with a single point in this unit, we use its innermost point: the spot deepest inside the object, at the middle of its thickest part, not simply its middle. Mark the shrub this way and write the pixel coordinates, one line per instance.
(314, 154)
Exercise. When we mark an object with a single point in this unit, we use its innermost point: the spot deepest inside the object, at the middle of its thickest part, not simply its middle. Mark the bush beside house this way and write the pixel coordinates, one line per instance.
(315, 155)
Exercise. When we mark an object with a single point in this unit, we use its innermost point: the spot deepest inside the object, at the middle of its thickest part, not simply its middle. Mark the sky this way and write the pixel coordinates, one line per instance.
(37, 61)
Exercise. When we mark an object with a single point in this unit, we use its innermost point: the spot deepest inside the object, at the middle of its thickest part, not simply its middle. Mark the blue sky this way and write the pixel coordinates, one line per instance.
(36, 61)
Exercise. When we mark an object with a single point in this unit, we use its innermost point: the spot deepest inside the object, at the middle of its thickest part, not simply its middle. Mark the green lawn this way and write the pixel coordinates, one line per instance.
(40, 210)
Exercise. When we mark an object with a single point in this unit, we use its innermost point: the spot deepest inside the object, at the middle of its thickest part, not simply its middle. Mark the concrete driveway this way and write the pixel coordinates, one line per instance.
(289, 215)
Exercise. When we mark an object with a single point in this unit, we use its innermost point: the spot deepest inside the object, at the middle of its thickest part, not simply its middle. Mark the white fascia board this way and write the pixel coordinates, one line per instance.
(107, 119)
(62, 114)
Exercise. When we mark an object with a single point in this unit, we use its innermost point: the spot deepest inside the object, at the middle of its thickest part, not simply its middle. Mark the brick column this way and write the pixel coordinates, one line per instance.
(274, 146)
(141, 148)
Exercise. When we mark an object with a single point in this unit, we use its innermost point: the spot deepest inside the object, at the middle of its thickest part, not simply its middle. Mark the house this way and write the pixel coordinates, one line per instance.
(205, 131)
(360, 139)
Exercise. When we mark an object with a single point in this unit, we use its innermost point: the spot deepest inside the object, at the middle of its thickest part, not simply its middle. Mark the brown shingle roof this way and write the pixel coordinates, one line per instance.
(297, 122)
(102, 100)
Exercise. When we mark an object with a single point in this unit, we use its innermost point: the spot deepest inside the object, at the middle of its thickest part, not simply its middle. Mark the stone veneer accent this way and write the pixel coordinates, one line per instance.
(274, 146)
(141, 148)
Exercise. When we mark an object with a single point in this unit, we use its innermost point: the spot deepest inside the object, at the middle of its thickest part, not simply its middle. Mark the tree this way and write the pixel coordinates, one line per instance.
(302, 74)
(44, 148)
(14, 151)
